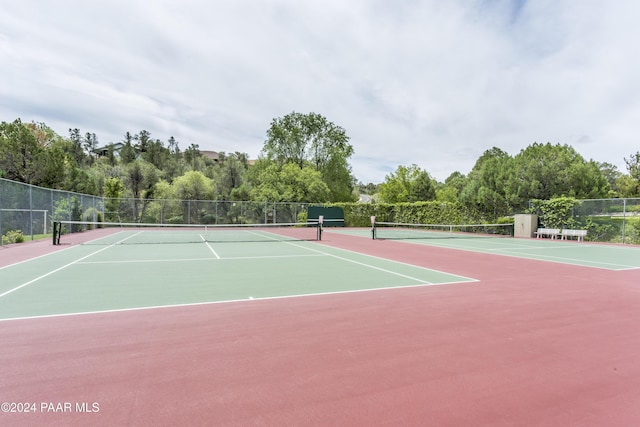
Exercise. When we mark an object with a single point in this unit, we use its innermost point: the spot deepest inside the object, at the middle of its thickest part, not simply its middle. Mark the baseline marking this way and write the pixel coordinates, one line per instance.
(248, 299)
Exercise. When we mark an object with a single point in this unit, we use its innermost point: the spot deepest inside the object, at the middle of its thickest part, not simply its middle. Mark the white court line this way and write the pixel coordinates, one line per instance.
(61, 268)
(195, 304)
(38, 257)
(53, 253)
(321, 253)
(511, 253)
(361, 263)
(380, 268)
(171, 260)
(570, 261)
(346, 259)
(469, 279)
(52, 272)
(209, 246)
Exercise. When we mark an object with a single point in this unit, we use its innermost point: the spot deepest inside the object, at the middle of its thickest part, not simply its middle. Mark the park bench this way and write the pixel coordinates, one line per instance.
(548, 232)
(579, 234)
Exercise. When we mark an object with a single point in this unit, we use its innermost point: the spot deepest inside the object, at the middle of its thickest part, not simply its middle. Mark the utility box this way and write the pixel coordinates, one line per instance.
(525, 225)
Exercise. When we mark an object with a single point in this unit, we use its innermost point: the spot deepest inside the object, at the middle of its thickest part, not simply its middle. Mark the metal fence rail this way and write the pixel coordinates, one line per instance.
(32, 210)
(606, 220)
(171, 211)
(610, 220)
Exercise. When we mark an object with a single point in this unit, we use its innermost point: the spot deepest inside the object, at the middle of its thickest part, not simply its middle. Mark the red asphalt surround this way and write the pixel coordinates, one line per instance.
(532, 343)
(18, 252)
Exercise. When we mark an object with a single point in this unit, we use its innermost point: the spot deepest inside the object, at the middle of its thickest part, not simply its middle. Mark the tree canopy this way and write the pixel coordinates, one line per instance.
(312, 140)
(407, 184)
(305, 158)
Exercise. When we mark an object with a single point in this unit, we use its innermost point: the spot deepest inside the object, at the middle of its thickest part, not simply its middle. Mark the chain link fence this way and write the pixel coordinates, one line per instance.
(30, 211)
(169, 211)
(610, 220)
(606, 220)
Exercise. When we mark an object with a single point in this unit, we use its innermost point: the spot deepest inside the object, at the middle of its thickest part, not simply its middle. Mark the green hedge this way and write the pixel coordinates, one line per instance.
(359, 214)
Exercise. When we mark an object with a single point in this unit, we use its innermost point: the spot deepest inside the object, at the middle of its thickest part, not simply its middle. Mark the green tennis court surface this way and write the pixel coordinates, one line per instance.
(93, 278)
(611, 257)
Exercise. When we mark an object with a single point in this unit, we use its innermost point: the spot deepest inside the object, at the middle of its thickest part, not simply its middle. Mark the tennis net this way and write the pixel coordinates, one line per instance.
(399, 231)
(110, 233)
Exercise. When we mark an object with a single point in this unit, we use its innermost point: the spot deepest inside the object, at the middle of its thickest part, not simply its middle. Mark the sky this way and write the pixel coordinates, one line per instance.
(428, 82)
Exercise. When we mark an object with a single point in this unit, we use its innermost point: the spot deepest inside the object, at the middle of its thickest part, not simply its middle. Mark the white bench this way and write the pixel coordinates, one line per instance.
(550, 232)
(579, 234)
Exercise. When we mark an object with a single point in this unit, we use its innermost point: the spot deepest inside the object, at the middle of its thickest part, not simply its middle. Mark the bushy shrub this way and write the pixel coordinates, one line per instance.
(12, 236)
(602, 229)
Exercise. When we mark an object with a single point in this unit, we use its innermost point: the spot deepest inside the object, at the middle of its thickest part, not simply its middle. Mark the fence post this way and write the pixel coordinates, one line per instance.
(624, 217)
(31, 211)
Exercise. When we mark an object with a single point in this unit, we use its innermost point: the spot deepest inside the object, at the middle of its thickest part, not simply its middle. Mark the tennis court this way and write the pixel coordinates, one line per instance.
(118, 270)
(612, 257)
(271, 326)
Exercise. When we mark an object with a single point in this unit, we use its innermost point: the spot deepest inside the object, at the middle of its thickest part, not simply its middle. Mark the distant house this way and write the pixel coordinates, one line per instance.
(104, 151)
(213, 155)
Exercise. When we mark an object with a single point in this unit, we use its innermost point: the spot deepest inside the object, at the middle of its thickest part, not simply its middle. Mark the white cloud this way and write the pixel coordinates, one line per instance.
(427, 82)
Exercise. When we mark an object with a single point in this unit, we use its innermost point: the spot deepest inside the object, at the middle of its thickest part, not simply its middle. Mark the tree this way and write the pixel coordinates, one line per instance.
(487, 182)
(144, 139)
(75, 149)
(450, 190)
(52, 163)
(90, 143)
(174, 165)
(31, 153)
(230, 174)
(140, 178)
(156, 153)
(193, 156)
(407, 184)
(113, 191)
(271, 182)
(369, 188)
(546, 171)
(337, 175)
(633, 166)
(310, 139)
(193, 185)
(128, 152)
(626, 186)
(113, 188)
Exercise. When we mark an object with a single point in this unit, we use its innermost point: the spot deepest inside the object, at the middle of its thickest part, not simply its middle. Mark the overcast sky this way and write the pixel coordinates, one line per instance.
(430, 82)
